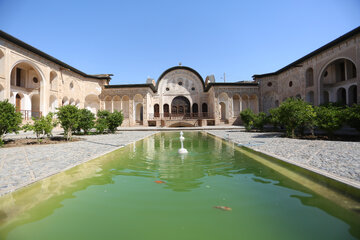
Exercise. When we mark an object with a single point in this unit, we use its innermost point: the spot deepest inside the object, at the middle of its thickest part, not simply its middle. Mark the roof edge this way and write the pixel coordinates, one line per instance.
(32, 49)
(313, 53)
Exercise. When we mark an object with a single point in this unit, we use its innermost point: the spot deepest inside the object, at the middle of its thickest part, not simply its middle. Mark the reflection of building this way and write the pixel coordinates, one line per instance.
(38, 83)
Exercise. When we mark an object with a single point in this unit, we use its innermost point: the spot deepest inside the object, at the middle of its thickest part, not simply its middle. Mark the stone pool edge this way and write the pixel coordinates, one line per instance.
(343, 180)
(21, 186)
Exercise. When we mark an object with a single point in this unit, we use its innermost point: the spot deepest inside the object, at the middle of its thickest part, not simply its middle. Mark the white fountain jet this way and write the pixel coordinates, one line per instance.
(182, 150)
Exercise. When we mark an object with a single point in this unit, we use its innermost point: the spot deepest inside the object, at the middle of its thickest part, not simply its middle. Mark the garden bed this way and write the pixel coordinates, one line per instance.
(20, 142)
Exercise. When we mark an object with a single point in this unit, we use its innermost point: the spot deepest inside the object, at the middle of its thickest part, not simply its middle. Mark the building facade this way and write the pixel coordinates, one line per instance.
(37, 84)
(328, 74)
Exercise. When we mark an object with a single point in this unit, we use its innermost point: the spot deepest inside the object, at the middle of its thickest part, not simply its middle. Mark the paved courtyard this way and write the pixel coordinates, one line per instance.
(337, 159)
(20, 166)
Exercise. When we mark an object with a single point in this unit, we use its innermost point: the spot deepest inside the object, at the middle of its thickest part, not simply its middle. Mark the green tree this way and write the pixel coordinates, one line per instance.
(353, 116)
(274, 117)
(107, 121)
(247, 116)
(86, 120)
(69, 118)
(10, 120)
(114, 120)
(102, 124)
(294, 113)
(42, 126)
(260, 120)
(329, 118)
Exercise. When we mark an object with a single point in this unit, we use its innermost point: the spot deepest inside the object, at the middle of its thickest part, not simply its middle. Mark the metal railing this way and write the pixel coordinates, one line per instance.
(179, 116)
(28, 114)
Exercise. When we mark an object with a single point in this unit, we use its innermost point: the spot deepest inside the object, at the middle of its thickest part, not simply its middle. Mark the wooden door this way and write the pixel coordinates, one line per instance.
(18, 103)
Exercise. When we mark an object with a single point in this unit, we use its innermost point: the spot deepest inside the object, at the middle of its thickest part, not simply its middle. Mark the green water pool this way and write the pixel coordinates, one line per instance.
(117, 197)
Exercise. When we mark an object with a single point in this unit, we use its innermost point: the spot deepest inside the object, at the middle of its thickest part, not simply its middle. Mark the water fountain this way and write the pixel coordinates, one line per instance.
(182, 150)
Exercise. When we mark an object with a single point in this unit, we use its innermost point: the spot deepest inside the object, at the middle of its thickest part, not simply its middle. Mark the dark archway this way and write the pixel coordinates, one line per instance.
(204, 109)
(352, 95)
(180, 105)
(156, 110)
(341, 96)
(195, 109)
(166, 110)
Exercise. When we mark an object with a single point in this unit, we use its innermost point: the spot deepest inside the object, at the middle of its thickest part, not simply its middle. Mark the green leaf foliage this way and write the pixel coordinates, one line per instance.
(86, 120)
(10, 120)
(260, 120)
(108, 121)
(114, 120)
(69, 118)
(329, 118)
(353, 116)
(293, 114)
(42, 126)
(248, 117)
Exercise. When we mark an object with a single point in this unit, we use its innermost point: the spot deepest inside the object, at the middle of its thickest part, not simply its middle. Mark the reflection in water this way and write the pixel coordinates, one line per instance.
(215, 164)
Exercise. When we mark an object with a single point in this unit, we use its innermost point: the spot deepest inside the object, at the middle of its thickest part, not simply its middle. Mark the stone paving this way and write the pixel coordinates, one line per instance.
(337, 159)
(20, 166)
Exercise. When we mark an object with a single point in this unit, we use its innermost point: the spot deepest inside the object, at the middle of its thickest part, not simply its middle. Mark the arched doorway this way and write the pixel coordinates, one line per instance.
(166, 110)
(35, 106)
(195, 109)
(222, 111)
(341, 96)
(156, 110)
(180, 105)
(18, 103)
(336, 74)
(139, 112)
(204, 109)
(352, 95)
(92, 103)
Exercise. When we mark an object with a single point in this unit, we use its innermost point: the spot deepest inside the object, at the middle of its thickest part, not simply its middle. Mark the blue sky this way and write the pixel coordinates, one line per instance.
(137, 39)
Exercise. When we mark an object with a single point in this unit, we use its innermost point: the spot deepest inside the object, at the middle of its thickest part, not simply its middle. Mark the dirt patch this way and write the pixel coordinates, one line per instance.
(33, 141)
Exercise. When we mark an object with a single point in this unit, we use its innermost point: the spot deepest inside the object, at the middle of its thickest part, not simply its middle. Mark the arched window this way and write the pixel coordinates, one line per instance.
(166, 110)
(309, 77)
(53, 81)
(204, 109)
(195, 109)
(310, 97)
(156, 110)
(341, 96)
(180, 105)
(352, 95)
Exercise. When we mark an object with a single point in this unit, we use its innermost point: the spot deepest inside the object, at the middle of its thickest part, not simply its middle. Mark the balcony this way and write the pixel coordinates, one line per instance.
(28, 114)
(180, 116)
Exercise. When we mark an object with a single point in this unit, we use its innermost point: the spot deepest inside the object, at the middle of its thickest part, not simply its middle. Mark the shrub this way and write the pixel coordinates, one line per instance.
(329, 118)
(247, 116)
(114, 120)
(10, 120)
(294, 113)
(101, 122)
(274, 117)
(108, 121)
(353, 116)
(42, 126)
(260, 120)
(86, 120)
(68, 117)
